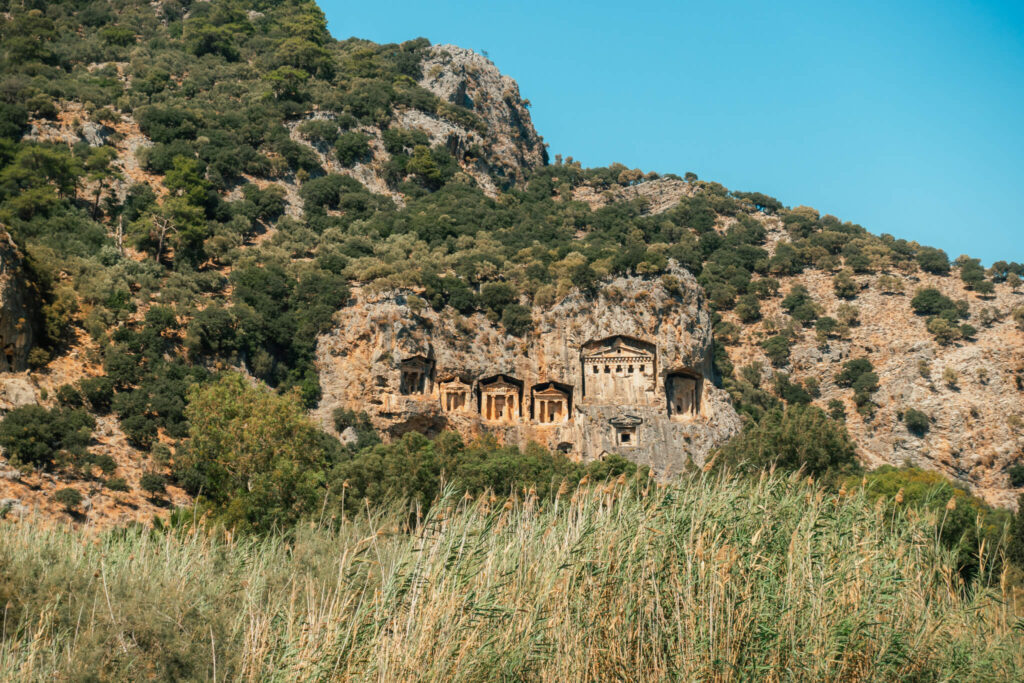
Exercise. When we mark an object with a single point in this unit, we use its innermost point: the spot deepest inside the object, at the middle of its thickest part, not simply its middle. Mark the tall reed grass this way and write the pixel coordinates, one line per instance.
(711, 578)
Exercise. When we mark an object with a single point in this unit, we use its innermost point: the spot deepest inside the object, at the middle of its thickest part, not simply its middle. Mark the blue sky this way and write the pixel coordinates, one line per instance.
(905, 117)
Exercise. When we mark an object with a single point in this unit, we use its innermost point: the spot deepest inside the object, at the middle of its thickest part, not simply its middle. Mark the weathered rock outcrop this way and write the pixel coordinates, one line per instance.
(510, 144)
(976, 411)
(594, 376)
(660, 195)
(976, 427)
(18, 307)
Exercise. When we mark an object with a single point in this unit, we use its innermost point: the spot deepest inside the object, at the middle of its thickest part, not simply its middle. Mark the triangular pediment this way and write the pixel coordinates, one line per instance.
(500, 386)
(499, 381)
(416, 363)
(620, 352)
(617, 347)
(625, 421)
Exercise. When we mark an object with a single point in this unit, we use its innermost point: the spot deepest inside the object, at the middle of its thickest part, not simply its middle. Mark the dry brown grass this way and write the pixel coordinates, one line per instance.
(712, 578)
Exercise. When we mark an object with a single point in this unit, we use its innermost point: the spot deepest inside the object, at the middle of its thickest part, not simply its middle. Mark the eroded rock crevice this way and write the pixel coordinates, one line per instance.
(19, 307)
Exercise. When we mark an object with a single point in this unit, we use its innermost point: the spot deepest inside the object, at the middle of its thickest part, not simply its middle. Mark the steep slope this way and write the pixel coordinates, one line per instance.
(222, 185)
(509, 146)
(970, 389)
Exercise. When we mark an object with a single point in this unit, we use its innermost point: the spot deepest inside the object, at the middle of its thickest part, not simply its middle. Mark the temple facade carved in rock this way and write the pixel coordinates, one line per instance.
(617, 371)
(631, 376)
(621, 392)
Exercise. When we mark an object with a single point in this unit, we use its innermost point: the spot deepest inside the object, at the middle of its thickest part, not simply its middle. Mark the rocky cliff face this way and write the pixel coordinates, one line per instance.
(497, 155)
(411, 368)
(658, 195)
(467, 79)
(971, 390)
(976, 427)
(18, 307)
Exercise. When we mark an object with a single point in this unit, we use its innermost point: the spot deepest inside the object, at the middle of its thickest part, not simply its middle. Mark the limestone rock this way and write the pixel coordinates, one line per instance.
(13, 506)
(348, 437)
(95, 134)
(659, 195)
(16, 391)
(470, 80)
(414, 369)
(977, 426)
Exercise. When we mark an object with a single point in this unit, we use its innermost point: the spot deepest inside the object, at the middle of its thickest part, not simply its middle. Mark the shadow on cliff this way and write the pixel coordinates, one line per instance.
(429, 425)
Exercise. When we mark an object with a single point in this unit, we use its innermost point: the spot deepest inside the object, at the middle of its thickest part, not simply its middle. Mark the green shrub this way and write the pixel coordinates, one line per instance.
(836, 409)
(777, 350)
(365, 433)
(727, 333)
(1016, 473)
(931, 302)
(117, 484)
(852, 370)
(255, 455)
(848, 315)
(748, 308)
(432, 167)
(867, 383)
(973, 274)
(859, 374)
(69, 397)
(497, 295)
(160, 454)
(68, 497)
(38, 357)
(36, 437)
(824, 328)
(917, 422)
(414, 468)
(320, 130)
(517, 319)
(153, 483)
(351, 148)
(944, 331)
(106, 463)
(799, 437)
(765, 287)
(933, 260)
(845, 286)
(140, 430)
(799, 304)
(788, 391)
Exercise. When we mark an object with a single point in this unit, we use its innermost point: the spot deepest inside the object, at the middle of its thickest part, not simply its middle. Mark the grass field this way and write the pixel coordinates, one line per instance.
(710, 578)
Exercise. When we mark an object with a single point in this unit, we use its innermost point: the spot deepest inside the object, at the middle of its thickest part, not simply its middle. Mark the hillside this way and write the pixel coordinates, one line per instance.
(205, 187)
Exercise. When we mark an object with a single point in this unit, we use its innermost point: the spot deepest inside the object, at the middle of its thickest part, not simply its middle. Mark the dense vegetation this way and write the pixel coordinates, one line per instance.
(192, 266)
(257, 461)
(709, 578)
(169, 279)
(225, 90)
